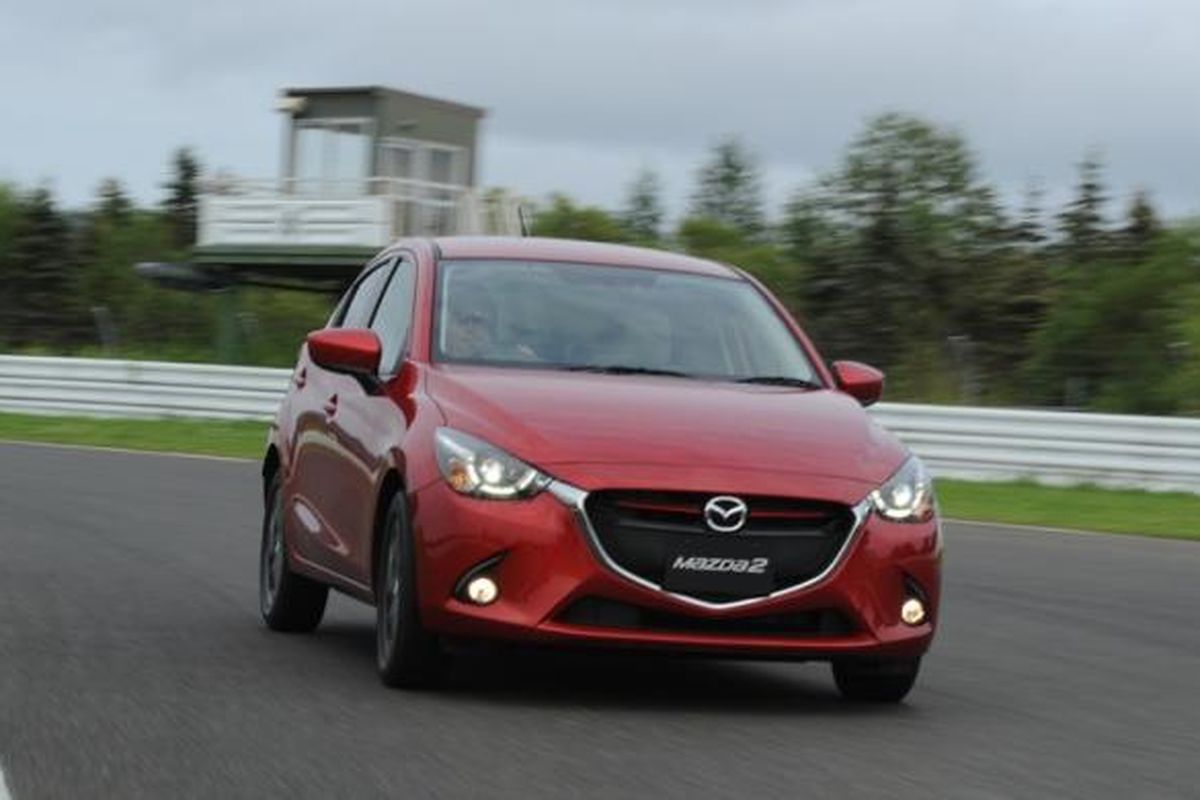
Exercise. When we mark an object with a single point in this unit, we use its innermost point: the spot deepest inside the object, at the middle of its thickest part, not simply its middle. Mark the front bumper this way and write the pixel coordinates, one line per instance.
(551, 564)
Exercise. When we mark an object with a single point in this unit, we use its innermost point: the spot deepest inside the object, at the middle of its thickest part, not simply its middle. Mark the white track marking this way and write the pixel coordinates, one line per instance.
(126, 450)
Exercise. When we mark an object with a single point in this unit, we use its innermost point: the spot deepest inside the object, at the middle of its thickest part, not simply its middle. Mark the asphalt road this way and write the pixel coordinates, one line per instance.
(133, 664)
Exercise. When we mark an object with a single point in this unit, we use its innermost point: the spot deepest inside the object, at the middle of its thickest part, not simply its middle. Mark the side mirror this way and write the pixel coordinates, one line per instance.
(863, 383)
(352, 350)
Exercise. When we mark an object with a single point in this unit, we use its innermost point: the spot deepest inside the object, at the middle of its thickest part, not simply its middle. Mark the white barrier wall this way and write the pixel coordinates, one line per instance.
(101, 387)
(1161, 453)
(359, 222)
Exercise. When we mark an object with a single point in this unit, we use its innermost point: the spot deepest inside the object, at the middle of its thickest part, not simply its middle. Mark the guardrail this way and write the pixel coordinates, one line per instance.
(103, 387)
(1160, 453)
(1056, 447)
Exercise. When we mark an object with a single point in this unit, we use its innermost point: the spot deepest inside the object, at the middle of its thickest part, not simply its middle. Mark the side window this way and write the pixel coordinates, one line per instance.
(366, 294)
(393, 319)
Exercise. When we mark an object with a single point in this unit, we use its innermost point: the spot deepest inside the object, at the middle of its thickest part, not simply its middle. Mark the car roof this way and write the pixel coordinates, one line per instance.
(535, 248)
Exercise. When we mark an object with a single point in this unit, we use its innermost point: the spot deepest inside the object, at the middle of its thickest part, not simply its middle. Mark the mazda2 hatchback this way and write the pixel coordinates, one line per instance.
(567, 443)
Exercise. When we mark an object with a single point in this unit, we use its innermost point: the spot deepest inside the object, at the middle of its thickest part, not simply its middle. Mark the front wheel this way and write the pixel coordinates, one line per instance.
(407, 655)
(287, 601)
(886, 680)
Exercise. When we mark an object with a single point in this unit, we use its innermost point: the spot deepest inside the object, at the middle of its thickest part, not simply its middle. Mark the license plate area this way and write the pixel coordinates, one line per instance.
(719, 567)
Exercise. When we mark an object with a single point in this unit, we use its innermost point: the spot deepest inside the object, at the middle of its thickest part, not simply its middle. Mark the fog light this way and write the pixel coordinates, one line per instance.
(912, 612)
(483, 590)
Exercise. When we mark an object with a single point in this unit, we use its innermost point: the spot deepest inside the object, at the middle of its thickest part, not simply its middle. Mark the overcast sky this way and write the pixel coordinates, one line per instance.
(580, 94)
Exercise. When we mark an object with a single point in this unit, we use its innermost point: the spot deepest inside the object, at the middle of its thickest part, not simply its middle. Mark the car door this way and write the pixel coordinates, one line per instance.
(320, 483)
(368, 424)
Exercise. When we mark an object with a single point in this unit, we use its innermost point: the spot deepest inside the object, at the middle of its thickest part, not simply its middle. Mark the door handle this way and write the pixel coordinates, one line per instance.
(331, 406)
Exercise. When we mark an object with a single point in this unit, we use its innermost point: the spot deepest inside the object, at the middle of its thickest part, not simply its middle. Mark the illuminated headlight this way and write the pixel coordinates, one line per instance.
(907, 496)
(472, 466)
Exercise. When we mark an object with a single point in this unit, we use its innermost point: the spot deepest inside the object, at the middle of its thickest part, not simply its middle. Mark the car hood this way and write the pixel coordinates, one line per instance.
(625, 429)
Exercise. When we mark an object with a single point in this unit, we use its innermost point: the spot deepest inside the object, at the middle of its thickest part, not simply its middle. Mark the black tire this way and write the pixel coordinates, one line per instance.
(288, 602)
(876, 680)
(407, 655)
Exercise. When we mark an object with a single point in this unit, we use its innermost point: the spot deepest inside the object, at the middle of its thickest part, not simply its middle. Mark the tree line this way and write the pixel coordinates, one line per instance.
(901, 255)
(904, 256)
(69, 286)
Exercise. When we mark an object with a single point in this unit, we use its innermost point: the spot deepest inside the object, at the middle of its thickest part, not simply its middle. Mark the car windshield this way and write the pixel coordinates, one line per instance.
(613, 319)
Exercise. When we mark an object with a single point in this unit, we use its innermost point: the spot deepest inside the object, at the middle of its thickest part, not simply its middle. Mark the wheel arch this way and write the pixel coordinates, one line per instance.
(391, 485)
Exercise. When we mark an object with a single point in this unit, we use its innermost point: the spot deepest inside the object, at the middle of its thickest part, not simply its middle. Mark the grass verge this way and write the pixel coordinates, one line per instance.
(1081, 507)
(235, 439)
(1171, 515)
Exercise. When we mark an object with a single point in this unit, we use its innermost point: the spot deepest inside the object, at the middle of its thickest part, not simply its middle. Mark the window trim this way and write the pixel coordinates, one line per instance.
(398, 260)
(339, 313)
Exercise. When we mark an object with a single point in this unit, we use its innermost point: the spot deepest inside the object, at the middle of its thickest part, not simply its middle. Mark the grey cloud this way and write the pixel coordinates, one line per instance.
(1033, 84)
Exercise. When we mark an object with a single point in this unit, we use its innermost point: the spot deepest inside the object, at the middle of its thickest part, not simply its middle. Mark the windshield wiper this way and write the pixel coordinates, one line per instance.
(621, 369)
(780, 380)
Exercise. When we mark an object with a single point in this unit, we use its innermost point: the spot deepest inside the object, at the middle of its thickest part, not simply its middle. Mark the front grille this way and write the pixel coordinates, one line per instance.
(598, 612)
(640, 530)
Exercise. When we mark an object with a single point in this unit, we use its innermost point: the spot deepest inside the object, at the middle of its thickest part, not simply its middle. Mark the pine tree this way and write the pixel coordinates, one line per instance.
(10, 213)
(110, 218)
(1029, 232)
(112, 209)
(1142, 227)
(40, 272)
(182, 190)
(112, 204)
(729, 189)
(643, 213)
(1082, 223)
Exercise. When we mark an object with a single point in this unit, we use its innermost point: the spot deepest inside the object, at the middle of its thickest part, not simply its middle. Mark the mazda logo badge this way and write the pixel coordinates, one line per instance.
(725, 514)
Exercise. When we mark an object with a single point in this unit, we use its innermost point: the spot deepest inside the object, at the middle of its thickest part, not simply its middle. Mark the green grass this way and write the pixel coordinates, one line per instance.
(1081, 508)
(209, 437)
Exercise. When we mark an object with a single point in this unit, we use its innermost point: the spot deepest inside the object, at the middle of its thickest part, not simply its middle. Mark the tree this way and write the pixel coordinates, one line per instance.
(1082, 222)
(10, 214)
(898, 237)
(181, 202)
(566, 220)
(729, 189)
(112, 208)
(1142, 228)
(708, 238)
(1029, 233)
(112, 204)
(1109, 339)
(42, 305)
(643, 213)
(1185, 348)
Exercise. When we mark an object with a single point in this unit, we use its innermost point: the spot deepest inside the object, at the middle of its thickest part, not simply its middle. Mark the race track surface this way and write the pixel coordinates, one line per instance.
(133, 664)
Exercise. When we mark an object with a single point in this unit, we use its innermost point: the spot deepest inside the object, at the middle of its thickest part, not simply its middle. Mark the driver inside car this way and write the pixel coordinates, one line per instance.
(472, 332)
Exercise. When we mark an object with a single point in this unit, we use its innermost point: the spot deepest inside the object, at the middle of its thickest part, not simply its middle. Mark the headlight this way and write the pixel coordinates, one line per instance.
(907, 496)
(472, 466)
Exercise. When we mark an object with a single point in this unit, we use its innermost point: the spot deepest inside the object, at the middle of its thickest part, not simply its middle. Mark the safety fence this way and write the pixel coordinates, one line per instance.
(1161, 453)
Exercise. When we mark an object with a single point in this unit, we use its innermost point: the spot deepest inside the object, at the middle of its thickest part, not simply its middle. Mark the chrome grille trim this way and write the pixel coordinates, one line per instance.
(575, 498)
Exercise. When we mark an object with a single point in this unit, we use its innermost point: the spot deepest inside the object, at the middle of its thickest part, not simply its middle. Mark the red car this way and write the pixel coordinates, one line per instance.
(569, 443)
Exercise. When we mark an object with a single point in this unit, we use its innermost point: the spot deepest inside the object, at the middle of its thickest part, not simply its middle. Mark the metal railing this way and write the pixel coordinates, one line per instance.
(103, 387)
(1057, 447)
(364, 212)
(1161, 453)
